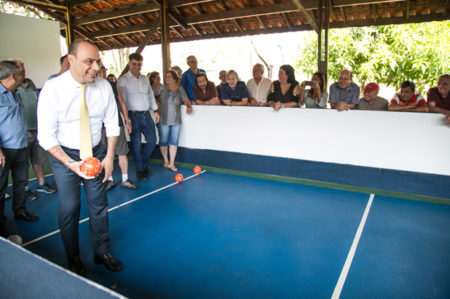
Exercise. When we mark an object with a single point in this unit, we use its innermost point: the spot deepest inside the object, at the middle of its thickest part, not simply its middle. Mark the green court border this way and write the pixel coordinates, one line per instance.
(424, 198)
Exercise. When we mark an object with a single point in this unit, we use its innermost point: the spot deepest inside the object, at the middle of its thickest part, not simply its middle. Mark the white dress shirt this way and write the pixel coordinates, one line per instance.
(137, 92)
(59, 111)
(260, 91)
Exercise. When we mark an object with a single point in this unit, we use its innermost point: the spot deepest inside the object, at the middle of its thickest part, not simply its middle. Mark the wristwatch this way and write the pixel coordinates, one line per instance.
(68, 163)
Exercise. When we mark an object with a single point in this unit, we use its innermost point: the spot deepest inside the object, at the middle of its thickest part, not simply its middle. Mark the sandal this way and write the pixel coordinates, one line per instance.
(173, 168)
(166, 164)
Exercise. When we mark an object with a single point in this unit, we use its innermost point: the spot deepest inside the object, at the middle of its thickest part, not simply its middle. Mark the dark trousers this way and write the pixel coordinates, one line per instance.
(16, 161)
(142, 123)
(68, 184)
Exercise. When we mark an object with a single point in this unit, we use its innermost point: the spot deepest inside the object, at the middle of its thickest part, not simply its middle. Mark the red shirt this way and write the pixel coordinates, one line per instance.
(416, 100)
(433, 95)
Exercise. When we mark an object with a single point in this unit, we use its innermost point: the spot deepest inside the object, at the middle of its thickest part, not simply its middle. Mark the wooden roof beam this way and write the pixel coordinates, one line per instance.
(241, 13)
(307, 14)
(373, 12)
(330, 7)
(306, 4)
(177, 20)
(408, 9)
(235, 22)
(389, 21)
(196, 30)
(286, 20)
(261, 22)
(116, 13)
(148, 36)
(344, 18)
(215, 27)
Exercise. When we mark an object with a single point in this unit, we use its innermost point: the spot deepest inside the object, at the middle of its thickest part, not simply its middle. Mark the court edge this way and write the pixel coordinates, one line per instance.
(424, 198)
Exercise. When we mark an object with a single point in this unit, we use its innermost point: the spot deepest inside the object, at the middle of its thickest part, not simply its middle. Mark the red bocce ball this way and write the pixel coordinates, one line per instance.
(197, 169)
(91, 166)
(179, 177)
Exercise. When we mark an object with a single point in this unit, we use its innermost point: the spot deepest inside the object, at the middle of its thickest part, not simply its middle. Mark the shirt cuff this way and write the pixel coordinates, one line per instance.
(112, 131)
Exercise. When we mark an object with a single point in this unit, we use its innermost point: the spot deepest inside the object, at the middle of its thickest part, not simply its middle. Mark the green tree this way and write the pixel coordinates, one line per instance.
(385, 54)
(22, 10)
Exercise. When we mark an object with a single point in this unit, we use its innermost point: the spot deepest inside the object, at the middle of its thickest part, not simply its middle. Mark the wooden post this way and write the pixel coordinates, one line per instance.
(165, 42)
(319, 35)
(324, 67)
(322, 61)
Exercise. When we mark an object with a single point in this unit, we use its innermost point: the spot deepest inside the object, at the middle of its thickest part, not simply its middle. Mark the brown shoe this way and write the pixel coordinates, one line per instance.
(110, 185)
(128, 184)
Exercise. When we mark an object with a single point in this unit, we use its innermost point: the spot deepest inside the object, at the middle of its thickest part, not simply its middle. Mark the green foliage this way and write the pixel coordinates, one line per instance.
(385, 54)
(22, 10)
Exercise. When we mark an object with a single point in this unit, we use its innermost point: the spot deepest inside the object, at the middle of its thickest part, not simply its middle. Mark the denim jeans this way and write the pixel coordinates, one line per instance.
(169, 134)
(142, 123)
(17, 162)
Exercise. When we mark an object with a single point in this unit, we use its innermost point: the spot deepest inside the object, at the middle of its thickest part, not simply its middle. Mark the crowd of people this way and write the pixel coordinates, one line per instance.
(137, 105)
(286, 92)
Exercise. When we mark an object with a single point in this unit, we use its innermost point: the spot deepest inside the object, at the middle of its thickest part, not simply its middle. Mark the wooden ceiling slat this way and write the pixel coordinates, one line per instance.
(261, 22)
(286, 20)
(177, 20)
(235, 22)
(242, 13)
(117, 13)
(408, 9)
(344, 18)
(307, 14)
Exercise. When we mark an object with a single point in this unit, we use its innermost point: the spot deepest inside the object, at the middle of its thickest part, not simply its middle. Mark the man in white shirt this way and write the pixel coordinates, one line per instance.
(137, 93)
(258, 87)
(60, 134)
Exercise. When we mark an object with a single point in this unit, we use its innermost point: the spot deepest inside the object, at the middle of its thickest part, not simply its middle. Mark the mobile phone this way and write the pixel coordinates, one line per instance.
(309, 83)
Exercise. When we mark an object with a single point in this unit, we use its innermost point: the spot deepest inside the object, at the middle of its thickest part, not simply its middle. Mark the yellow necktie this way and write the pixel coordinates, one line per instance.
(85, 128)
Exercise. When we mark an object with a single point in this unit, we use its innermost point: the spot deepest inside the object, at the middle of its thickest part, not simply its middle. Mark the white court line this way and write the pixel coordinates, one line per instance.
(351, 253)
(114, 208)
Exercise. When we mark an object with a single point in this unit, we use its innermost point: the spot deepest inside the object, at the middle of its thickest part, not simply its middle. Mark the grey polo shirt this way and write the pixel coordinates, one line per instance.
(350, 95)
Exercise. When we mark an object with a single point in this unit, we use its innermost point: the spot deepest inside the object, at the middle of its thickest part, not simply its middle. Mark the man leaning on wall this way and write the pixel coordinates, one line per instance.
(439, 97)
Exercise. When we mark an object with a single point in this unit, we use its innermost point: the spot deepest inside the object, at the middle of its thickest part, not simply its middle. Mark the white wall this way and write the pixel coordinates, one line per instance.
(34, 41)
(417, 142)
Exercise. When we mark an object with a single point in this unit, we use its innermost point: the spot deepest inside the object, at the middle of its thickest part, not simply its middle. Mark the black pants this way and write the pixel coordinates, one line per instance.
(16, 161)
(69, 192)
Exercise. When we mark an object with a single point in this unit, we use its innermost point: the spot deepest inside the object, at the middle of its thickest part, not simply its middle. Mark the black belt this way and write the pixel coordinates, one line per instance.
(137, 112)
(93, 148)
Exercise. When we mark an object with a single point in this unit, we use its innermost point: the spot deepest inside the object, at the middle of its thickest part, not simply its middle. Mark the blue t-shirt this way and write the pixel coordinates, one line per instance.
(188, 82)
(13, 130)
(236, 94)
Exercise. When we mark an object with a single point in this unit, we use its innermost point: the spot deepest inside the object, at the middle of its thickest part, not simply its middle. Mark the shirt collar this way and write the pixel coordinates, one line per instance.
(130, 75)
(3, 89)
(71, 80)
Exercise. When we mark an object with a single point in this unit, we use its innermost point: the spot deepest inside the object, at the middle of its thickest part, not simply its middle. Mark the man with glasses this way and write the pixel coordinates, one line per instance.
(13, 142)
(72, 109)
(188, 79)
(344, 94)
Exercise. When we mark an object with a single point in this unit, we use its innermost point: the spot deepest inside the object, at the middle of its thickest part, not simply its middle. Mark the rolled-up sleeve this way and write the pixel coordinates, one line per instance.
(151, 98)
(111, 119)
(47, 117)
